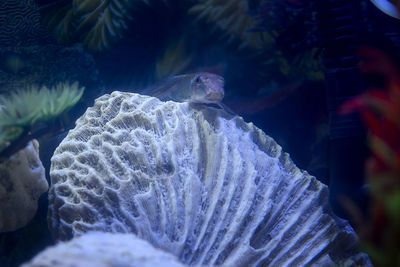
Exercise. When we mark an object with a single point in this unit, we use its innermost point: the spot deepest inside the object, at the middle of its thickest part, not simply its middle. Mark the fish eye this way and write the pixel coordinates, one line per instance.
(198, 79)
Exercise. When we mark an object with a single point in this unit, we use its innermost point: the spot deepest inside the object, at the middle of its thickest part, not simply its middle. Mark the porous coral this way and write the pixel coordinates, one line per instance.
(22, 181)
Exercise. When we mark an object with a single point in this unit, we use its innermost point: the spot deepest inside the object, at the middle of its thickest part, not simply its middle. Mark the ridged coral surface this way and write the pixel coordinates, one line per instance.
(194, 181)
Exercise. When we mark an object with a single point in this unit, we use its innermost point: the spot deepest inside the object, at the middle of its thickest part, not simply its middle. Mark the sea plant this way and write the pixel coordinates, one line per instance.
(271, 29)
(293, 26)
(174, 60)
(29, 113)
(95, 22)
(233, 19)
(380, 109)
(100, 22)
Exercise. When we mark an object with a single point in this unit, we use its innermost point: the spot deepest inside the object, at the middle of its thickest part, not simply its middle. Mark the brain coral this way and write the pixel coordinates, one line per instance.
(194, 181)
(20, 24)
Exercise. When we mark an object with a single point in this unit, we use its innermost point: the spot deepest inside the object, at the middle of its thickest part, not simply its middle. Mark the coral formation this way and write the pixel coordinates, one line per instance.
(96, 22)
(104, 250)
(20, 24)
(194, 181)
(22, 181)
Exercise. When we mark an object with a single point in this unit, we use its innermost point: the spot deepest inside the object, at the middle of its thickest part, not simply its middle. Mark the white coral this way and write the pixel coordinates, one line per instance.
(194, 181)
(103, 250)
(22, 181)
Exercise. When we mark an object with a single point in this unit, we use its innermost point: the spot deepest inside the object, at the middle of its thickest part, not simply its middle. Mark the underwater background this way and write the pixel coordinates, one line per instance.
(302, 71)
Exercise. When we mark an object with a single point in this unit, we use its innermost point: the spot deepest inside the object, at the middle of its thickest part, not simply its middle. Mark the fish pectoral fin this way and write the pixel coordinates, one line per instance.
(227, 109)
(222, 106)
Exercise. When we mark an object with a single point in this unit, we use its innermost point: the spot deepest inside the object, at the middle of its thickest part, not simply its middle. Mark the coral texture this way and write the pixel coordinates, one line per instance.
(103, 250)
(22, 181)
(20, 24)
(194, 181)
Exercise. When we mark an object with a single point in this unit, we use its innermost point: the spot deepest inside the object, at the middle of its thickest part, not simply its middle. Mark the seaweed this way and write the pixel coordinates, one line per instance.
(233, 19)
(293, 27)
(174, 60)
(380, 109)
(97, 23)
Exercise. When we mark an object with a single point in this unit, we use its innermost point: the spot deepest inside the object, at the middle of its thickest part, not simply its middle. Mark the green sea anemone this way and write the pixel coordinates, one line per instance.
(21, 108)
(21, 111)
(59, 99)
(26, 107)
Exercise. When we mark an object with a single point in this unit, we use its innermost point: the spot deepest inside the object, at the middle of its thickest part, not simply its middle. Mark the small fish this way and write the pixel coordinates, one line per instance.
(201, 87)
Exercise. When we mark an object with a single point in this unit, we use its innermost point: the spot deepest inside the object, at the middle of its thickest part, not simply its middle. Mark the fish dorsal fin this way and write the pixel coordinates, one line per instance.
(165, 89)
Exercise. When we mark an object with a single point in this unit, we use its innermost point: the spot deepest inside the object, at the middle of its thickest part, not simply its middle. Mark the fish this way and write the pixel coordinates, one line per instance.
(196, 88)
(199, 87)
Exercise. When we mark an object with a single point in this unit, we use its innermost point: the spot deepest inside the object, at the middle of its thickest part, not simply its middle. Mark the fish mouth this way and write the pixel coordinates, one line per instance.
(215, 96)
